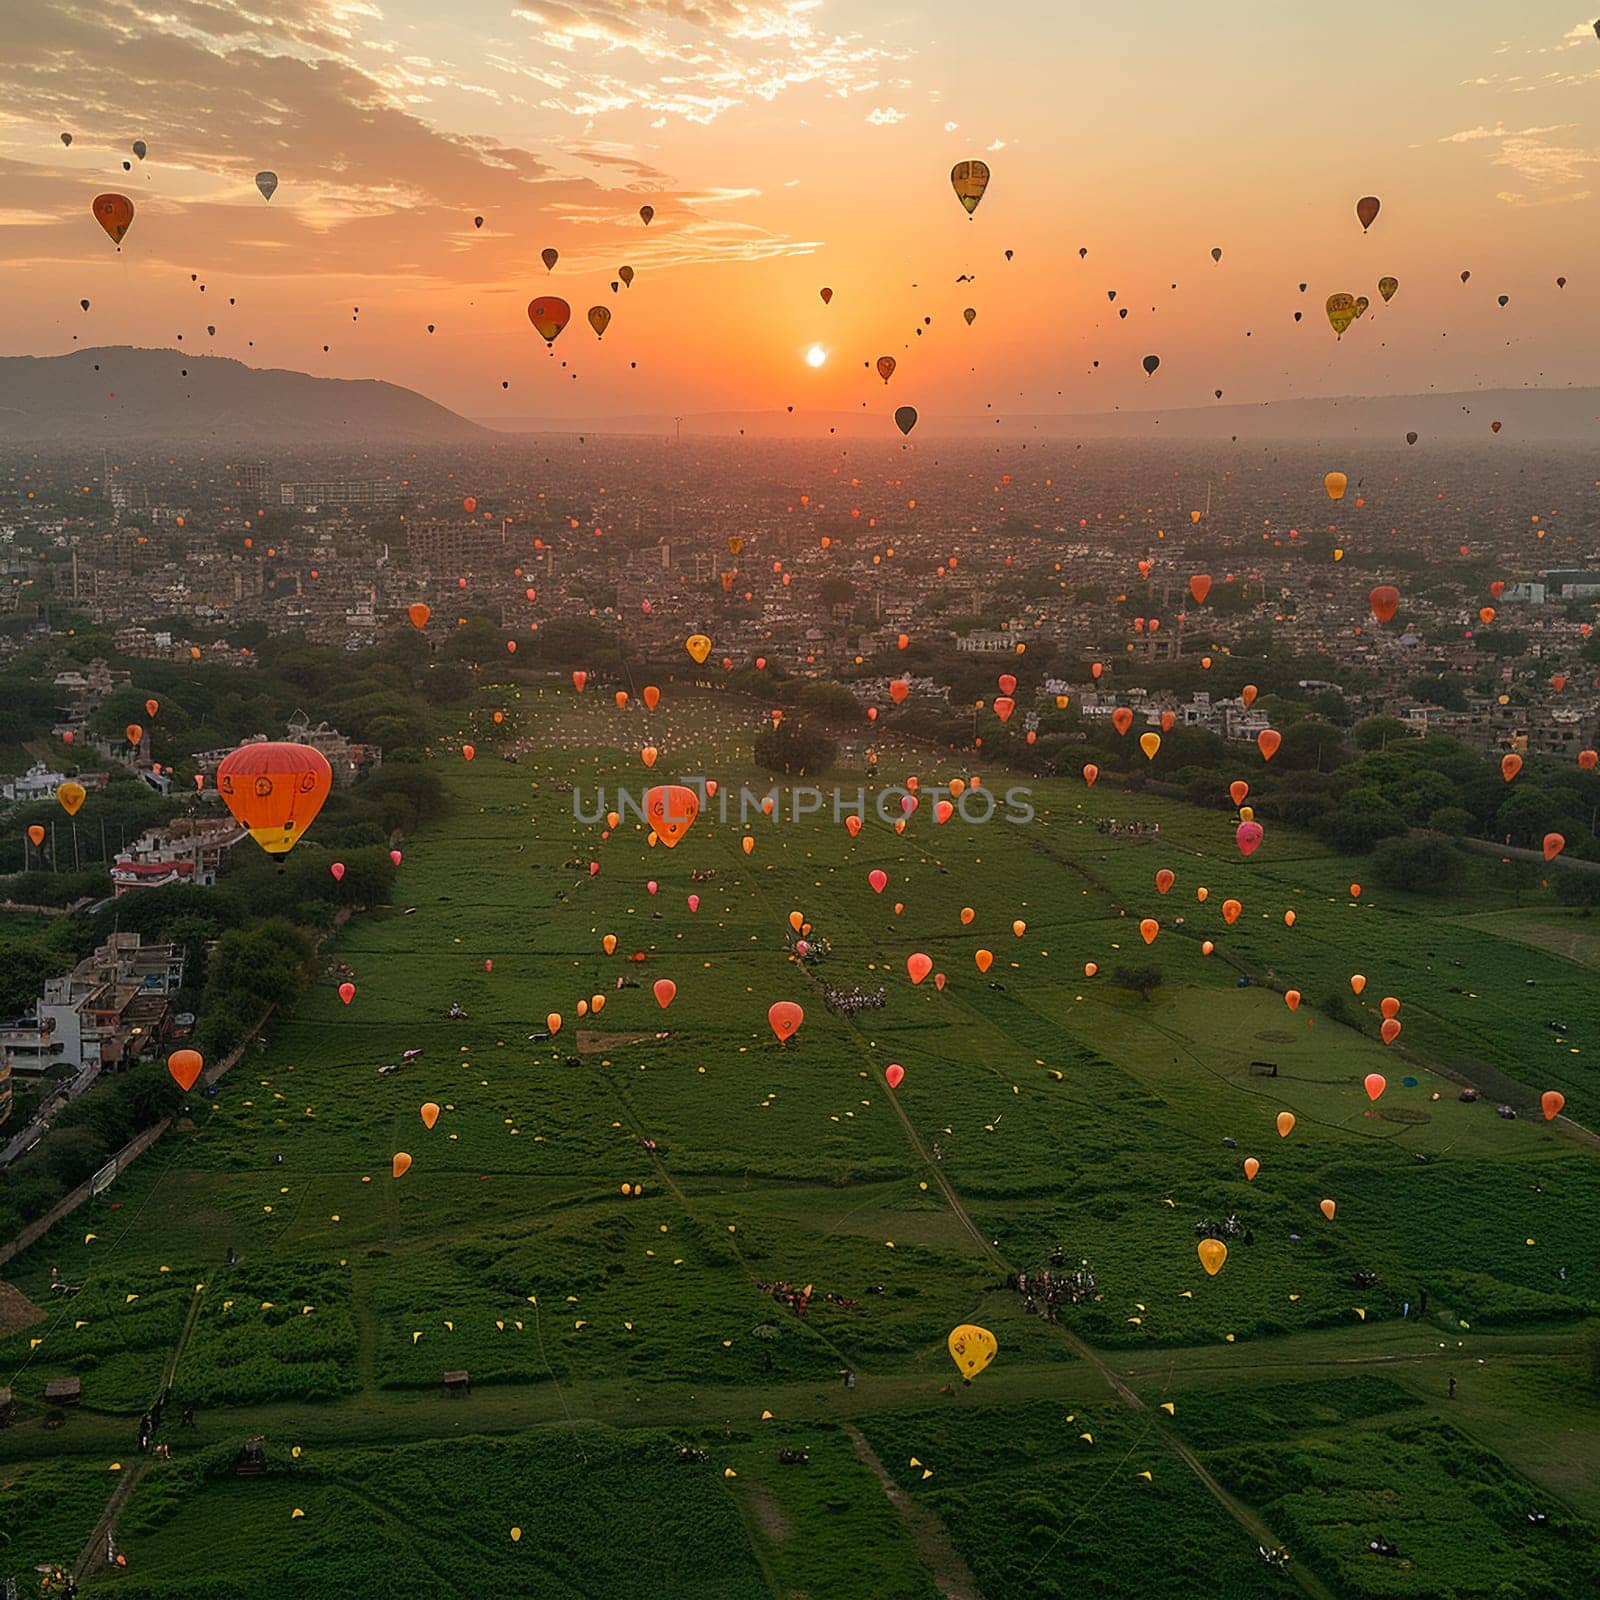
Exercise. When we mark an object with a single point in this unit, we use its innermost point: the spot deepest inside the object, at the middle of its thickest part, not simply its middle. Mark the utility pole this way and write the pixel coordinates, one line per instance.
(678, 430)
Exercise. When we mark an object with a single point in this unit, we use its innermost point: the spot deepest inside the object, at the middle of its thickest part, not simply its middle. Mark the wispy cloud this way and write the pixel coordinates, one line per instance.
(885, 116)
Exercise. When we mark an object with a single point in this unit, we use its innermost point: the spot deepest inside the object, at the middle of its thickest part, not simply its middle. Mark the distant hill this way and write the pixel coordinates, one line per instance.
(1526, 415)
(119, 394)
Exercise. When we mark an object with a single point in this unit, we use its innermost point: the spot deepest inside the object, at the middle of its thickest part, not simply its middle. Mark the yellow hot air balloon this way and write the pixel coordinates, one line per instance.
(70, 796)
(972, 1349)
(1150, 743)
(699, 647)
(1341, 309)
(599, 320)
(1335, 483)
(1212, 1252)
(969, 179)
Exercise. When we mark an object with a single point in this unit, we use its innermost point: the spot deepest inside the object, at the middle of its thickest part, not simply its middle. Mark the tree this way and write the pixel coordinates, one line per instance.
(793, 747)
(1376, 733)
(830, 702)
(1140, 980)
(1422, 863)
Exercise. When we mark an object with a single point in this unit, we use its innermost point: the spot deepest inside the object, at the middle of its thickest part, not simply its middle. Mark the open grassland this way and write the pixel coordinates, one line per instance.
(1041, 1109)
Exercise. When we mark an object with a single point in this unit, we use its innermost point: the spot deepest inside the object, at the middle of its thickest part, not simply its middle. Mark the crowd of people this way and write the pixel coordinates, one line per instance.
(799, 1300)
(1047, 1288)
(847, 1002)
(1115, 829)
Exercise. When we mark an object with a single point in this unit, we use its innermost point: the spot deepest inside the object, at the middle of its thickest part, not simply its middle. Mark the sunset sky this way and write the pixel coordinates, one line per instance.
(791, 144)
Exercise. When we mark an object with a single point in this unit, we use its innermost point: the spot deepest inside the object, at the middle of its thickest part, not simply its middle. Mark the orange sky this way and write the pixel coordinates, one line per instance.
(788, 144)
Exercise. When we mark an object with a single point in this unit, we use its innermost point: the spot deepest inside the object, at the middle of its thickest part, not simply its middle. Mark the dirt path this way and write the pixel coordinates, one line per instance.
(951, 1575)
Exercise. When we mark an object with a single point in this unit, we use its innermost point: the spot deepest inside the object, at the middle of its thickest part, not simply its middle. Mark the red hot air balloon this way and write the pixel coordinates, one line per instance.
(1385, 601)
(549, 315)
(114, 213)
(1248, 836)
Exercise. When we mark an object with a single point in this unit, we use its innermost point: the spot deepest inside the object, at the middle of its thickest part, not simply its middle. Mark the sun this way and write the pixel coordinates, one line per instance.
(815, 356)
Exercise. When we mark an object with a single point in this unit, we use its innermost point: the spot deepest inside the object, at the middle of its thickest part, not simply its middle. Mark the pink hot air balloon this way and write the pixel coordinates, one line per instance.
(488, 964)
(694, 902)
(395, 857)
(938, 982)
(347, 992)
(337, 869)
(894, 1074)
(652, 886)
(918, 966)
(802, 948)
(594, 869)
(879, 879)
(1248, 837)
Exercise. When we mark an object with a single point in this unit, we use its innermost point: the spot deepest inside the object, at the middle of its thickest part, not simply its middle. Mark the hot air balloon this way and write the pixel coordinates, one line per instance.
(275, 790)
(886, 365)
(70, 796)
(549, 315)
(1341, 309)
(970, 315)
(1212, 1253)
(549, 255)
(1150, 365)
(1335, 483)
(267, 183)
(894, 1075)
(599, 320)
(626, 274)
(1554, 844)
(185, 1067)
(1510, 766)
(430, 1113)
(1387, 287)
(918, 966)
(699, 647)
(1200, 587)
(1248, 836)
(646, 213)
(114, 213)
(1385, 601)
(1367, 210)
(827, 295)
(665, 991)
(1285, 1124)
(1251, 1168)
(419, 614)
(1150, 743)
(784, 1018)
(1551, 1102)
(347, 991)
(1267, 742)
(671, 809)
(972, 1349)
(1327, 1208)
(969, 179)
(401, 1164)
(1375, 1083)
(905, 418)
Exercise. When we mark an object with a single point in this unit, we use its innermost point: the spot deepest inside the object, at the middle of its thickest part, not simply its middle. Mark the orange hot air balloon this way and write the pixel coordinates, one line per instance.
(133, 733)
(1375, 1083)
(918, 966)
(1003, 707)
(1510, 765)
(1355, 891)
(648, 755)
(1554, 844)
(621, 697)
(1202, 894)
(552, 1022)
(402, 1164)
(70, 796)
(1122, 719)
(36, 833)
(671, 809)
(651, 696)
(1019, 927)
(898, 690)
(1358, 982)
(609, 944)
(1200, 587)
(1335, 483)
(1150, 743)
(549, 315)
(1327, 1208)
(419, 614)
(984, 959)
(468, 751)
(114, 213)
(1267, 742)
(1390, 1030)
(1212, 1252)
(1237, 790)
(784, 1018)
(1292, 999)
(1588, 760)
(151, 707)
(1389, 1006)
(1148, 929)
(1385, 601)
(1090, 773)
(886, 366)
(185, 1067)
(579, 679)
(1551, 1102)
(1165, 879)
(1288, 919)
(1247, 695)
(275, 791)
(1230, 911)
(430, 1114)
(1486, 615)
(1285, 1124)
(665, 991)
(1251, 1168)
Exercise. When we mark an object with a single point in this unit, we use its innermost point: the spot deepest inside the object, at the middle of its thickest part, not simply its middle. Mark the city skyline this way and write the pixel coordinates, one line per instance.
(787, 147)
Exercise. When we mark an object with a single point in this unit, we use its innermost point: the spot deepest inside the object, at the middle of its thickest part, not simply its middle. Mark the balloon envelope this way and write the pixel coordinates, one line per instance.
(972, 1349)
(275, 790)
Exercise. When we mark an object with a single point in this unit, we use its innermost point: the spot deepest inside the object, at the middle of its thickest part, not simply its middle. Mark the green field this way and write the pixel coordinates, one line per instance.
(1041, 1109)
